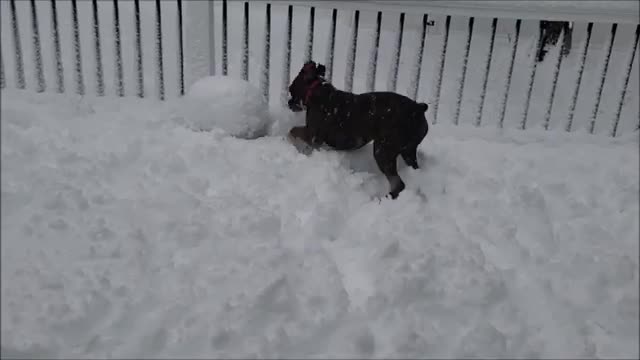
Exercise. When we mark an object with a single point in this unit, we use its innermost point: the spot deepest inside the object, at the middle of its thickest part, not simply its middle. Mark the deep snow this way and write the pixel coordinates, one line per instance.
(125, 234)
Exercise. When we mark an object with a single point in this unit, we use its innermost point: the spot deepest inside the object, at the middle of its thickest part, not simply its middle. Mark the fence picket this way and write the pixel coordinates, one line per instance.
(443, 56)
(465, 60)
(97, 49)
(17, 47)
(625, 85)
(507, 86)
(332, 44)
(37, 51)
(56, 48)
(118, 50)
(373, 60)
(554, 81)
(417, 66)
(79, 77)
(583, 58)
(264, 79)
(286, 73)
(351, 58)
(309, 50)
(225, 39)
(181, 47)
(365, 51)
(487, 68)
(245, 43)
(138, 50)
(393, 80)
(159, 54)
(603, 77)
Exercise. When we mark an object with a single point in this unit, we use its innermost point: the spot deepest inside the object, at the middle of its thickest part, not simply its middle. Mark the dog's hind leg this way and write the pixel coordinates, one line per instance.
(386, 160)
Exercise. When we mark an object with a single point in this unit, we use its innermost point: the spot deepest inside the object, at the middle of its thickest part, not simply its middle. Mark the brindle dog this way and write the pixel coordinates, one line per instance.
(346, 121)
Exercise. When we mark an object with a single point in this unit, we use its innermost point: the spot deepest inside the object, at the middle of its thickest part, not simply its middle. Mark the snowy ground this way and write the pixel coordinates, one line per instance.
(125, 234)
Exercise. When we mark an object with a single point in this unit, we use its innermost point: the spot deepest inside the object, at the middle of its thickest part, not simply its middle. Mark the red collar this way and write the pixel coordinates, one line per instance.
(310, 90)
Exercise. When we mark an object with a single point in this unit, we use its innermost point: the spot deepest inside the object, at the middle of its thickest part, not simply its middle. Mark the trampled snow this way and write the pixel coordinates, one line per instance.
(125, 234)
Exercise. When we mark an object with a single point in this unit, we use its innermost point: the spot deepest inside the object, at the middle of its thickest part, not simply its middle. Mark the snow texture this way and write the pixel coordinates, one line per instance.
(127, 235)
(219, 102)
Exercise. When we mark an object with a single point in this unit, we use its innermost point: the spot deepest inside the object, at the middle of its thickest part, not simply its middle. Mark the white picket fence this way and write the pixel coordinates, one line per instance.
(473, 61)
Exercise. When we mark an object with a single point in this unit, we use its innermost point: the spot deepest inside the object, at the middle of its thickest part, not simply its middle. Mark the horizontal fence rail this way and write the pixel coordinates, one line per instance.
(548, 65)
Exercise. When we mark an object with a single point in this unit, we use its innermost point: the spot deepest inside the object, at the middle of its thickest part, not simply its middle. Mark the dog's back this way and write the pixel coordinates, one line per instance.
(353, 120)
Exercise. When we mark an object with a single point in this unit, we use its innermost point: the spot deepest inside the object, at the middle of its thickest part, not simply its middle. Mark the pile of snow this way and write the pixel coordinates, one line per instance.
(234, 106)
(125, 235)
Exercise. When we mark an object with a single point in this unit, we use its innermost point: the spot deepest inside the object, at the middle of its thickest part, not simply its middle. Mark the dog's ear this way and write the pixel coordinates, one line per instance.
(321, 69)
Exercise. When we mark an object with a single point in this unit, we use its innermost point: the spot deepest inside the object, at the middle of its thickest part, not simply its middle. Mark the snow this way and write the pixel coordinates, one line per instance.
(232, 105)
(125, 234)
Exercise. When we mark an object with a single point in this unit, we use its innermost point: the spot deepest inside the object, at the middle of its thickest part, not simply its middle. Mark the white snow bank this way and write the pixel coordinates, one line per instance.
(124, 235)
(234, 106)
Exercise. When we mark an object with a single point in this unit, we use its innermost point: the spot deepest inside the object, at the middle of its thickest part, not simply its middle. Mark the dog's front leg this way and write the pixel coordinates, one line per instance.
(305, 136)
(302, 133)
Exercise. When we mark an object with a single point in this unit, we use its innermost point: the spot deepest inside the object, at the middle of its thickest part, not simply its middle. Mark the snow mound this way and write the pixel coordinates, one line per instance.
(234, 106)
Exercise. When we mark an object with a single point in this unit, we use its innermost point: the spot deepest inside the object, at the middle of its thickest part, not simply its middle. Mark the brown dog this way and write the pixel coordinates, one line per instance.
(346, 121)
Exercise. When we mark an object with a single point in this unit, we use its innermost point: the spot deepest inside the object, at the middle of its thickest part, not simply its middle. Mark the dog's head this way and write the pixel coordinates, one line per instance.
(309, 73)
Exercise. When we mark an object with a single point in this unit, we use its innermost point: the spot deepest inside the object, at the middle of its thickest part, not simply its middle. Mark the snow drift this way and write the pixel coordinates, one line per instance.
(127, 235)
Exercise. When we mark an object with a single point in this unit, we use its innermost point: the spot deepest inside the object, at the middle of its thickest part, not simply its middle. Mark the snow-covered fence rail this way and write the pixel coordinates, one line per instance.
(553, 64)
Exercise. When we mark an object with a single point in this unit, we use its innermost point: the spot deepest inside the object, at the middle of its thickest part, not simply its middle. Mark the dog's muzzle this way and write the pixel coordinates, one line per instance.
(295, 105)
